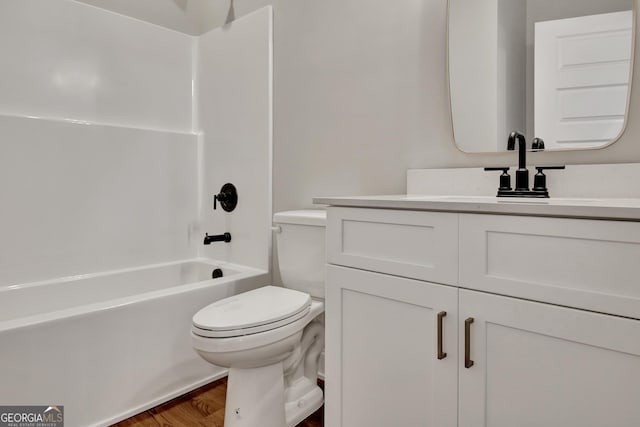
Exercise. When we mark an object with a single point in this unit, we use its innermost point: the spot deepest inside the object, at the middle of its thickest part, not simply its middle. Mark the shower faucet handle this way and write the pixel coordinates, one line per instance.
(228, 198)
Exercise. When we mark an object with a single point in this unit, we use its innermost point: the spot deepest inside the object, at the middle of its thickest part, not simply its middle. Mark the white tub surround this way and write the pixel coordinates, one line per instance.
(119, 133)
(98, 168)
(79, 199)
(79, 62)
(110, 345)
(235, 112)
(533, 314)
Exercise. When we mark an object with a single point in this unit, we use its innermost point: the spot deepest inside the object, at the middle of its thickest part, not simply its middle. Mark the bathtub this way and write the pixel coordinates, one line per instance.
(110, 345)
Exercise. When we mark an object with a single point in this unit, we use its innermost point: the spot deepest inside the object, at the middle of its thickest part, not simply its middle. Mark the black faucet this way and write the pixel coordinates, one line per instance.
(522, 174)
(226, 237)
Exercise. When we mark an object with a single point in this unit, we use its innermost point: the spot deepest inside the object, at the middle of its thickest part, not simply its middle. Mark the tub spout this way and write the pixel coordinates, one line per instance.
(226, 237)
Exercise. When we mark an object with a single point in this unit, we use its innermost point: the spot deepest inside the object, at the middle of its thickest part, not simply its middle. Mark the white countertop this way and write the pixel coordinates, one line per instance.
(616, 209)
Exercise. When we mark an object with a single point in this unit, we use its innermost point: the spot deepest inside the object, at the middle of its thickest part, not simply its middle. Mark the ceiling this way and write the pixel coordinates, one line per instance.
(193, 17)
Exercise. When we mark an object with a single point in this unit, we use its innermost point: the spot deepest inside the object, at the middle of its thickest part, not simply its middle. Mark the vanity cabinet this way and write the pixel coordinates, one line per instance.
(509, 361)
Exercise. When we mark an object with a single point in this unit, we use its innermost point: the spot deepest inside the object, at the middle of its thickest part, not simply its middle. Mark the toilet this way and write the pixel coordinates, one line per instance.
(271, 338)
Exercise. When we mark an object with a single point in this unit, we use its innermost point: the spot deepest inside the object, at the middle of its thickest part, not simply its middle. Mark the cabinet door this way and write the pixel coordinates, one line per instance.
(382, 362)
(543, 365)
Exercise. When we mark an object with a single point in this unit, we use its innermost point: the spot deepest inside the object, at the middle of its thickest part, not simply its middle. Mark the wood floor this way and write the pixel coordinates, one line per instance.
(201, 407)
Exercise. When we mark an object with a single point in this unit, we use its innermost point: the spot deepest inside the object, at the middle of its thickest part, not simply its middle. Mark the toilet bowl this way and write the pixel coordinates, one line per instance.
(271, 338)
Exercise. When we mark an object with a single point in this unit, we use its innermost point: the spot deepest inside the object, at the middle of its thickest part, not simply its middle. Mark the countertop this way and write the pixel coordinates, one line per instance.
(614, 209)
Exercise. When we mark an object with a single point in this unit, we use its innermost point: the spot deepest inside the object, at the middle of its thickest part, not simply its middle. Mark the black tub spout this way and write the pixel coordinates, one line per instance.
(226, 237)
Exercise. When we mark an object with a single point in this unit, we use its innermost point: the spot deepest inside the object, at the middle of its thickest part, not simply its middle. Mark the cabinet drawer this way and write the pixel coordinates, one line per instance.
(589, 264)
(418, 245)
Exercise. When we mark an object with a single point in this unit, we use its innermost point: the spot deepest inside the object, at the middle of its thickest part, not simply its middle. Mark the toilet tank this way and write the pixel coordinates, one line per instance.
(301, 250)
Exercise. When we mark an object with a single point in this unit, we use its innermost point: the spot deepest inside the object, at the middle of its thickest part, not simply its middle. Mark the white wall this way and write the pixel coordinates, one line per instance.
(358, 95)
(108, 179)
(235, 119)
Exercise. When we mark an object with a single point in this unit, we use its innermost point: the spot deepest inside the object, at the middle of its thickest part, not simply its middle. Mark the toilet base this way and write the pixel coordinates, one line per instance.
(305, 405)
(255, 397)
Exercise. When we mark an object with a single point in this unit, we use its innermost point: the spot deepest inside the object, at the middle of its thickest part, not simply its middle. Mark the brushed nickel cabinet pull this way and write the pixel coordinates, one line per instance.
(467, 343)
(441, 354)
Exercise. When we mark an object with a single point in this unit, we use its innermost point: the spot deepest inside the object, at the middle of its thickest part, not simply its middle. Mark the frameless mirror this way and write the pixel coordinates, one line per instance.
(559, 70)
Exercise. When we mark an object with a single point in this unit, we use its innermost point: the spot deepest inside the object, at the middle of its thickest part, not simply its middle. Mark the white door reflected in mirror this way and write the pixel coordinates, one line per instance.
(569, 86)
(582, 79)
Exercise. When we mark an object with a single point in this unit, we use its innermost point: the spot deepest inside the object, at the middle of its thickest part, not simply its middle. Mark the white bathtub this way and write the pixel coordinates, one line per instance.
(109, 345)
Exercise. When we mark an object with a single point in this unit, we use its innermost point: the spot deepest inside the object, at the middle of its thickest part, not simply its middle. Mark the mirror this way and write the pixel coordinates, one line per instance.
(559, 70)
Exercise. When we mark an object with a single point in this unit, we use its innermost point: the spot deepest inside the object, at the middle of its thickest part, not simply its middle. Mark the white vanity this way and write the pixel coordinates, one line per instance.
(473, 311)
(446, 311)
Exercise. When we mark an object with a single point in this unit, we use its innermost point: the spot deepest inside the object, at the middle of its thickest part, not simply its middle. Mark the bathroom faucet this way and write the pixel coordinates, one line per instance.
(226, 237)
(522, 174)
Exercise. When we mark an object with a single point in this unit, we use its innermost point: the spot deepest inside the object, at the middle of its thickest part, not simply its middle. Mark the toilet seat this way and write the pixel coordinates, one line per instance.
(255, 341)
(259, 310)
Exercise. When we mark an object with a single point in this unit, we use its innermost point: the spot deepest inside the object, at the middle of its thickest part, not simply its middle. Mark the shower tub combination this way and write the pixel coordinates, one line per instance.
(110, 345)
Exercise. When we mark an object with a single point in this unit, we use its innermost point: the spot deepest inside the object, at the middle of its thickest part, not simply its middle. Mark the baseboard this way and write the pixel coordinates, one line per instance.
(167, 397)
(183, 390)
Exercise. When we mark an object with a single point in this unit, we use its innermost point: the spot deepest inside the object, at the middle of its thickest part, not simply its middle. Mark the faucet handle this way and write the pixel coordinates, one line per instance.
(540, 179)
(228, 198)
(537, 144)
(541, 168)
(505, 178)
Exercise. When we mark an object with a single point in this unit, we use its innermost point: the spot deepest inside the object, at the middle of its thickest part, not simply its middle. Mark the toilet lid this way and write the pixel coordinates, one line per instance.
(251, 312)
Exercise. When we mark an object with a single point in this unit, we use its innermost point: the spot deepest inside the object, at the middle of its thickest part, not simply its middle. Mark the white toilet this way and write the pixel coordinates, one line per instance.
(271, 338)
